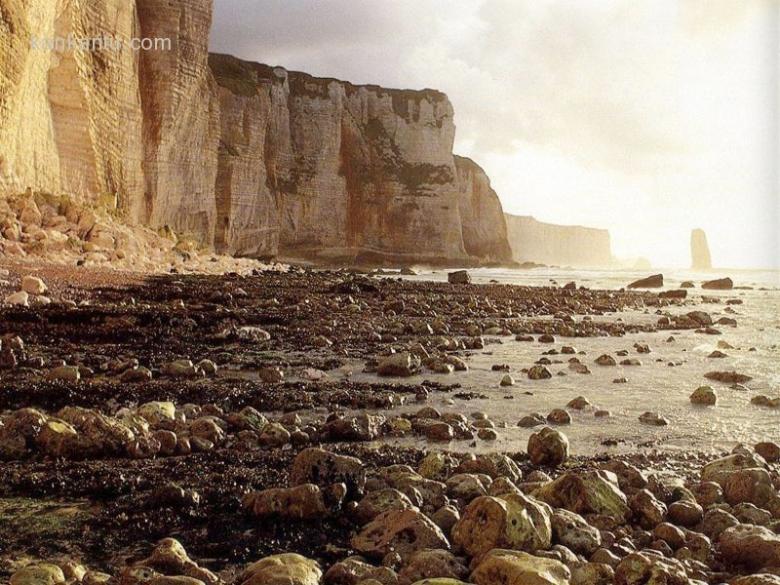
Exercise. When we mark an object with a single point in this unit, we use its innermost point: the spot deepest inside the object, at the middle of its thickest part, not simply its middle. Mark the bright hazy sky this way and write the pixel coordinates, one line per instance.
(646, 117)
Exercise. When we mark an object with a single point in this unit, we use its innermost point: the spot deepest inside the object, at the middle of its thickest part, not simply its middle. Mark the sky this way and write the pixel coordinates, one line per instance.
(645, 117)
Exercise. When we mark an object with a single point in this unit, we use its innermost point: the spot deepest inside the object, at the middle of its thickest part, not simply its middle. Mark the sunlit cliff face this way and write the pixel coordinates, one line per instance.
(648, 118)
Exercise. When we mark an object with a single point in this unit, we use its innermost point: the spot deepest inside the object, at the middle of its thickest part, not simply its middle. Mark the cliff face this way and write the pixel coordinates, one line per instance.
(700, 251)
(251, 159)
(181, 129)
(546, 243)
(70, 121)
(482, 218)
(332, 170)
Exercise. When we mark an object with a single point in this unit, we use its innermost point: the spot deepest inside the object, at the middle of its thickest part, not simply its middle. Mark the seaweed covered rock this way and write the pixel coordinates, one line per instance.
(282, 569)
(588, 492)
(304, 501)
(512, 567)
(512, 520)
(401, 531)
(704, 396)
(548, 447)
(323, 468)
(654, 281)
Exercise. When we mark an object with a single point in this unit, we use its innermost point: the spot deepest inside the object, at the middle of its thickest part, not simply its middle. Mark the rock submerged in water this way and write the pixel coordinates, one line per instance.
(653, 419)
(606, 360)
(559, 416)
(539, 373)
(769, 451)
(704, 395)
(531, 420)
(459, 277)
(654, 281)
(399, 365)
(728, 377)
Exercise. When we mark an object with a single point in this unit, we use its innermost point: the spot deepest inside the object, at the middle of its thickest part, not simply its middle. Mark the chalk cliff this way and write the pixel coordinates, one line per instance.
(333, 170)
(700, 251)
(70, 121)
(181, 118)
(251, 159)
(482, 218)
(562, 245)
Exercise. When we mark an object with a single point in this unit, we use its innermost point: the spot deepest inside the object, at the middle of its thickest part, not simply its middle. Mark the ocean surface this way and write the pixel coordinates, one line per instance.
(653, 386)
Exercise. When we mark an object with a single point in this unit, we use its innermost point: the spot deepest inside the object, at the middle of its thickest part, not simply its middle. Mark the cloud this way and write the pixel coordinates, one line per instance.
(561, 74)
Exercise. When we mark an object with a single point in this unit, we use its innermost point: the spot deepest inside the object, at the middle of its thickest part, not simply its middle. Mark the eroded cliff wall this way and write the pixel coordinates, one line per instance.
(331, 170)
(181, 129)
(251, 159)
(562, 245)
(70, 121)
(482, 217)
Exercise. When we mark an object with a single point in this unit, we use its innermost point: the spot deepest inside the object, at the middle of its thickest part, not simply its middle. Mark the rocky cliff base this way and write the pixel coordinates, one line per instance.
(40, 229)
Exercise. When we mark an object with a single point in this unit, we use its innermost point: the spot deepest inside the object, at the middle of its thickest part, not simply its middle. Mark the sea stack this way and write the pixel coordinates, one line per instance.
(700, 251)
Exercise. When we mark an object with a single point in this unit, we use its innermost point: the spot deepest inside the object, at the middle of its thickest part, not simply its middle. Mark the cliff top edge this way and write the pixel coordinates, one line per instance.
(512, 216)
(242, 77)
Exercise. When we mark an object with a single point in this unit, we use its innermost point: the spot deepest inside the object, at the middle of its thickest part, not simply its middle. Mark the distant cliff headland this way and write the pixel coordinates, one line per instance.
(248, 159)
(546, 243)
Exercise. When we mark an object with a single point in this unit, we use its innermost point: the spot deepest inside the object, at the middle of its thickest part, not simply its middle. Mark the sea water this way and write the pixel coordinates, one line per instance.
(653, 386)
